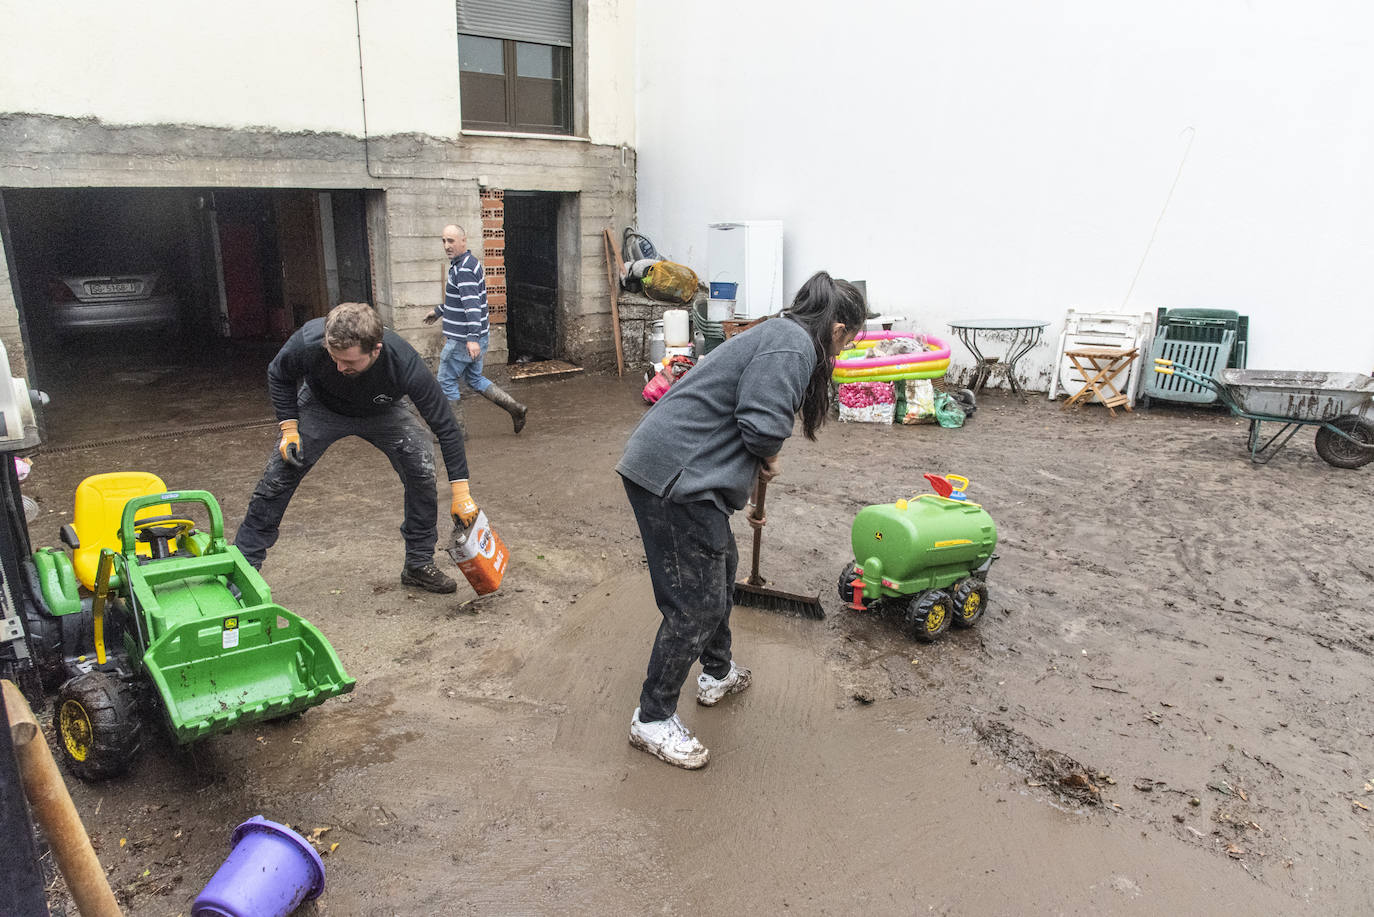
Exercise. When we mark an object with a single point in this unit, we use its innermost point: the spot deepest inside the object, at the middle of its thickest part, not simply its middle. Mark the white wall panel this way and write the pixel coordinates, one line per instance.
(989, 159)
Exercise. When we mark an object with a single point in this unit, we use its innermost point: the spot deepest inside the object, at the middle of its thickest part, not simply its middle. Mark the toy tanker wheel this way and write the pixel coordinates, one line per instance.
(98, 730)
(970, 601)
(847, 577)
(1341, 452)
(928, 614)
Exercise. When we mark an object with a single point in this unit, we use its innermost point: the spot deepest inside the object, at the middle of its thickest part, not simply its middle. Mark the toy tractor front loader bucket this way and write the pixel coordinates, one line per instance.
(259, 664)
(218, 649)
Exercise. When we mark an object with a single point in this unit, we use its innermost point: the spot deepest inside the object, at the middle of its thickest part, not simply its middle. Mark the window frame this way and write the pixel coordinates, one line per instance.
(563, 63)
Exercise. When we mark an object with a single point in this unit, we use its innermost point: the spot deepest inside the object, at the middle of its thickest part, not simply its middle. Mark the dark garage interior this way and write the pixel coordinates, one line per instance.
(531, 228)
(179, 289)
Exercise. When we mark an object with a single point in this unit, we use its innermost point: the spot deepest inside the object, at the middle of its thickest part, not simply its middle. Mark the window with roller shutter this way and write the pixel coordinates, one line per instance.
(515, 65)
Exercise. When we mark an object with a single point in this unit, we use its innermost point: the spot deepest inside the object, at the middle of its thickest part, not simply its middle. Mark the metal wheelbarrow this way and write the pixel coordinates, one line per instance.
(1332, 402)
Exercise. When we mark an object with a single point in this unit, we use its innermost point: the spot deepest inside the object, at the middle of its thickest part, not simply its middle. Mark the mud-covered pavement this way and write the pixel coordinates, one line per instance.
(1165, 710)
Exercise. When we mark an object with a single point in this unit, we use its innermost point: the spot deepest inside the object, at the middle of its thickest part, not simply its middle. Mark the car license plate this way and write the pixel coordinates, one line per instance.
(100, 289)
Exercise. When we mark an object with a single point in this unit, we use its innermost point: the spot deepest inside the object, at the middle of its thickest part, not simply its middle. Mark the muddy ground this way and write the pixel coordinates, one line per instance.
(1165, 710)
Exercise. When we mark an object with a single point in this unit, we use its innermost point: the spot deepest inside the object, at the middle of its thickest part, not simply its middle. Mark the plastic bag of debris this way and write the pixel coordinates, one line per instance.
(920, 402)
(668, 281)
(866, 402)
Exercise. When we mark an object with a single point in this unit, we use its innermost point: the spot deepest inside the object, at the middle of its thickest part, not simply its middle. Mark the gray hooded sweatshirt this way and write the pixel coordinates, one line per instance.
(704, 439)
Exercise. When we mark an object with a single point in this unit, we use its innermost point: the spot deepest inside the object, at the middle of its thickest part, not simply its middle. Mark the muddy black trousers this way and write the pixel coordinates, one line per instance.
(692, 560)
(396, 433)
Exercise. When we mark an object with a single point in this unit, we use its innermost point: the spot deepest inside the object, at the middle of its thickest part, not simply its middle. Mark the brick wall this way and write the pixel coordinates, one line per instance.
(494, 253)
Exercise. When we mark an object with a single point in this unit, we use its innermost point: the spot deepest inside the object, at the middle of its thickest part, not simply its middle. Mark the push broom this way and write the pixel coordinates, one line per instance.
(753, 593)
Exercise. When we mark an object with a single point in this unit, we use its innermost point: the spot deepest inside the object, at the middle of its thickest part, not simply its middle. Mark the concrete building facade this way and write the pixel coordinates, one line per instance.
(277, 158)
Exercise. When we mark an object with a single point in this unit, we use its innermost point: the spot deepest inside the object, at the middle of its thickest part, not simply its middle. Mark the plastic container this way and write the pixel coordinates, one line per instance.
(723, 290)
(711, 332)
(656, 344)
(720, 310)
(676, 328)
(269, 873)
(481, 554)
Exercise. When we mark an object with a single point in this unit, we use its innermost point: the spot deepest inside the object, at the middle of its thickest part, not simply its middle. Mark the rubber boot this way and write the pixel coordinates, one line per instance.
(502, 399)
(457, 408)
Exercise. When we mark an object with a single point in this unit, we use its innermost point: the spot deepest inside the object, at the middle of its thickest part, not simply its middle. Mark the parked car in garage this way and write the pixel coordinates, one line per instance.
(90, 303)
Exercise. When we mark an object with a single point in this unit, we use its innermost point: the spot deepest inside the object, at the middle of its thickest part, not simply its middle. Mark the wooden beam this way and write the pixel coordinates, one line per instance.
(613, 278)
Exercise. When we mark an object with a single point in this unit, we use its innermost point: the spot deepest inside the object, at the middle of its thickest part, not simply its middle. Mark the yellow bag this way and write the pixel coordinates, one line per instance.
(667, 281)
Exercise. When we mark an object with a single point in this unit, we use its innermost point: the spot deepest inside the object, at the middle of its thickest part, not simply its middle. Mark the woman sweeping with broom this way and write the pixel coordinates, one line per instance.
(693, 461)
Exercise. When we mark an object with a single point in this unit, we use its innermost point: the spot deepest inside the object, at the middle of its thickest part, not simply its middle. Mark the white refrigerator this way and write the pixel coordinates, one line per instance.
(748, 253)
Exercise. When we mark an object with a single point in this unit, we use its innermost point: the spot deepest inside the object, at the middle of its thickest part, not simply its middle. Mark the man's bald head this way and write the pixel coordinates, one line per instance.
(455, 240)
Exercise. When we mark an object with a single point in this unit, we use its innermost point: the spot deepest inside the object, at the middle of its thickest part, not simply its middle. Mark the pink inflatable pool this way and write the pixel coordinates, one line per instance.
(936, 349)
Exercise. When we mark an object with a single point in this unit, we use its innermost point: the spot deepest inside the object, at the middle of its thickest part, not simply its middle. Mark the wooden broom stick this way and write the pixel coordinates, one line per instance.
(55, 813)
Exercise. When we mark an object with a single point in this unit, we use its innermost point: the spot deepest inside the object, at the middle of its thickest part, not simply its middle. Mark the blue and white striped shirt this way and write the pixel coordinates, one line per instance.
(465, 300)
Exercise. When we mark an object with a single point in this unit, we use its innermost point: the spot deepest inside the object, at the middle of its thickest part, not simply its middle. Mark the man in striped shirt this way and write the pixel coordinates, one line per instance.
(464, 312)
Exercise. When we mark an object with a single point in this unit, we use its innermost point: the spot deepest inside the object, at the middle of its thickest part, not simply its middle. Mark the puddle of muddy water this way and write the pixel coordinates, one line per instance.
(809, 804)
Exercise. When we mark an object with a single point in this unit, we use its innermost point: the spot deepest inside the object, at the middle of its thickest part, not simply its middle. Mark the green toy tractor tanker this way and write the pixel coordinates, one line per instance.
(157, 619)
(926, 559)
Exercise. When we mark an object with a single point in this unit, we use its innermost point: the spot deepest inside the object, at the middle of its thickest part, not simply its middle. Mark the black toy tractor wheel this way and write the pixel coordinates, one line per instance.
(970, 601)
(1341, 452)
(98, 730)
(847, 577)
(928, 615)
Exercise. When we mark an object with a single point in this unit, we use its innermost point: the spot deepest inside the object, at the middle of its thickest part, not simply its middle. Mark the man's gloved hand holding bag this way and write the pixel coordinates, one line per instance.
(464, 508)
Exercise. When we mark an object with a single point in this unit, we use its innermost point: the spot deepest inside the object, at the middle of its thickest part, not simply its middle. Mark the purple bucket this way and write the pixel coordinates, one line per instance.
(270, 871)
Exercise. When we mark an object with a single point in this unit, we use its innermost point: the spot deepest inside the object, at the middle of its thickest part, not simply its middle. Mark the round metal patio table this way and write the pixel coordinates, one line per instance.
(1021, 336)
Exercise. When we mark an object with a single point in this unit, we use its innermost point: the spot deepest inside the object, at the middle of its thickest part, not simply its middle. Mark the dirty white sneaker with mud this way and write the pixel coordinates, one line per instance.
(668, 740)
(710, 690)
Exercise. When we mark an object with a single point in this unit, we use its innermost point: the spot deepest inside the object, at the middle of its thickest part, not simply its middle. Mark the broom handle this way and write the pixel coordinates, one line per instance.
(760, 492)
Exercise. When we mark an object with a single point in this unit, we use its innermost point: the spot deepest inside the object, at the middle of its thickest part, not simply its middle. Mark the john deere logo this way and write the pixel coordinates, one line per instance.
(231, 623)
(878, 536)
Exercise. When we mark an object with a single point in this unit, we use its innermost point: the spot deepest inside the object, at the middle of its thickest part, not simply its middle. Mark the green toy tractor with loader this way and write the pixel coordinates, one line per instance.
(926, 559)
(164, 621)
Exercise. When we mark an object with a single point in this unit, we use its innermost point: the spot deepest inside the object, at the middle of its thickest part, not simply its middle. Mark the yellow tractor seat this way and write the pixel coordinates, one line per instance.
(100, 502)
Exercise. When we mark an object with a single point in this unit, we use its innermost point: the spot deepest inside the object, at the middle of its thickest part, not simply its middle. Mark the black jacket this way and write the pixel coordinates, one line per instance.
(398, 372)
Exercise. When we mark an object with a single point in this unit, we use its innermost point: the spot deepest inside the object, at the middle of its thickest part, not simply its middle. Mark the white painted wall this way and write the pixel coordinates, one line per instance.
(292, 66)
(611, 71)
(1000, 159)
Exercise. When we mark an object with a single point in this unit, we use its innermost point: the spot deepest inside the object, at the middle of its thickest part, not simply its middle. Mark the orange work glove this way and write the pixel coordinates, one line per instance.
(290, 445)
(464, 508)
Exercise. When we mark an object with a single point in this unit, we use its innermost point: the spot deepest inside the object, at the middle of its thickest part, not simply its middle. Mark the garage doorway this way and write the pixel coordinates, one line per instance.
(123, 290)
(279, 254)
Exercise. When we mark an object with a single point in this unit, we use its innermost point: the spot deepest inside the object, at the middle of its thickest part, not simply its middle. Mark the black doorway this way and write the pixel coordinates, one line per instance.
(531, 227)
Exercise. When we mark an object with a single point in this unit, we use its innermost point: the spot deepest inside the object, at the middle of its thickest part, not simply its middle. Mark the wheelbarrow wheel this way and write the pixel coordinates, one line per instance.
(1341, 452)
(928, 614)
(98, 730)
(970, 601)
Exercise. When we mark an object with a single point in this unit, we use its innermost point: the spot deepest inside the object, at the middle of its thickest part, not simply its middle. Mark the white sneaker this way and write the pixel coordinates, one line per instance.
(711, 690)
(669, 740)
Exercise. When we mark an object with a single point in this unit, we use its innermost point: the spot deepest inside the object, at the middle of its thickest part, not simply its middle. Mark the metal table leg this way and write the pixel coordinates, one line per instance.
(982, 366)
(1023, 341)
